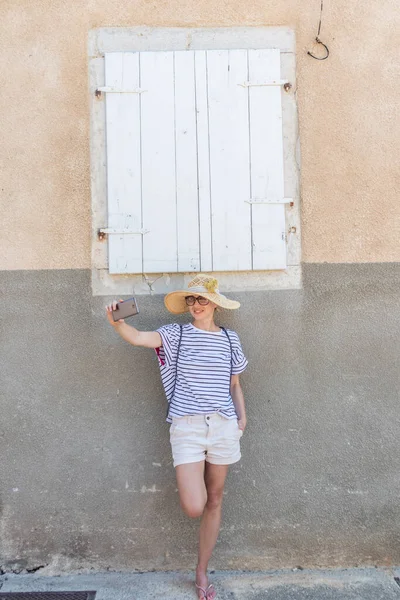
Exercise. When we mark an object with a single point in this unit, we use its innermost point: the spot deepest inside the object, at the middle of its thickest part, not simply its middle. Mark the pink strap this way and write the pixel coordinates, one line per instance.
(162, 362)
(204, 590)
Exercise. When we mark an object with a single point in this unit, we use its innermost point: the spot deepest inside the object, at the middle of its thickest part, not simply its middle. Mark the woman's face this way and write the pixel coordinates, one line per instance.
(200, 312)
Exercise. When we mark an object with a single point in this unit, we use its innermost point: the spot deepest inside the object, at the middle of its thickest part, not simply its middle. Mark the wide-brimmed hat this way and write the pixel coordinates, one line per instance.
(201, 285)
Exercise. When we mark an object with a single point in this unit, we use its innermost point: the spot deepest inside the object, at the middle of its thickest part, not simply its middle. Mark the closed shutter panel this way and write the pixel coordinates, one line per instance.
(229, 159)
(186, 163)
(195, 158)
(123, 163)
(158, 162)
(266, 166)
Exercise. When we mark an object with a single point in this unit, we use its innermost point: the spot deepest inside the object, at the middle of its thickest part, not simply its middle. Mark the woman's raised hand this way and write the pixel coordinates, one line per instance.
(147, 339)
(109, 309)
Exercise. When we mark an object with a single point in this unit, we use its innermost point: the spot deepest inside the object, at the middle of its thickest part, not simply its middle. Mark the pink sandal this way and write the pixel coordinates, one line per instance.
(204, 590)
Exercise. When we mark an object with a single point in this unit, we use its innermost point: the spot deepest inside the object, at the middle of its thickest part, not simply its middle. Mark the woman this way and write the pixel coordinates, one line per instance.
(200, 365)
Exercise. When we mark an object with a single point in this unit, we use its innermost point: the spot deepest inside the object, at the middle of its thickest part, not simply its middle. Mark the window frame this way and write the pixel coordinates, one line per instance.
(105, 40)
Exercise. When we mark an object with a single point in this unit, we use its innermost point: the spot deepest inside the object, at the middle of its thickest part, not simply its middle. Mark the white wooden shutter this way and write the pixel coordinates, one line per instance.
(195, 159)
(266, 161)
(123, 164)
(229, 160)
(158, 162)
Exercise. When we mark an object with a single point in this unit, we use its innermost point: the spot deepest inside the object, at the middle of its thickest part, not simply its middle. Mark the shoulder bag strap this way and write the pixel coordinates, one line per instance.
(230, 344)
(176, 367)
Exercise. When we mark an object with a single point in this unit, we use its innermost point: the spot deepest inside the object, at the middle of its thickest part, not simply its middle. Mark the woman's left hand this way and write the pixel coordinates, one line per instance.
(242, 423)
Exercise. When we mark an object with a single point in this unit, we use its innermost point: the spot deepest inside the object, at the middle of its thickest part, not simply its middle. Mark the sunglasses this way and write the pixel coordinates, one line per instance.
(191, 300)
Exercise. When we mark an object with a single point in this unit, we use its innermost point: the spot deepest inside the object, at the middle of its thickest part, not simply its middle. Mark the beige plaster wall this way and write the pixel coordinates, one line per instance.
(348, 112)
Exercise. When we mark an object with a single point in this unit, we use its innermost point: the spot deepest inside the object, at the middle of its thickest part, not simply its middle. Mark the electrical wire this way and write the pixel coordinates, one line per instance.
(318, 40)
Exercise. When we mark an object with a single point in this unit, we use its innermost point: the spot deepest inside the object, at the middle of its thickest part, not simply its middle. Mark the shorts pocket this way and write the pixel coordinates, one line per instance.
(234, 431)
(177, 429)
(239, 431)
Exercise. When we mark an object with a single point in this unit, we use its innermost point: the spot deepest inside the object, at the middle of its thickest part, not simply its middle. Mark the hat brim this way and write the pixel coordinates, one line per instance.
(175, 301)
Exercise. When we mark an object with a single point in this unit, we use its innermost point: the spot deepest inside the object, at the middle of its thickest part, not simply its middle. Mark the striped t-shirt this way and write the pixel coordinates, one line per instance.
(204, 369)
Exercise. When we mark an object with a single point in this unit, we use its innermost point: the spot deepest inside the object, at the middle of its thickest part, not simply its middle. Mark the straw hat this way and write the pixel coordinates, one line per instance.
(201, 285)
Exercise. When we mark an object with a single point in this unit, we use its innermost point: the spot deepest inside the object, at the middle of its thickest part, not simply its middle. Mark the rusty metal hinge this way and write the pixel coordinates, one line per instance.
(270, 200)
(108, 89)
(273, 82)
(102, 233)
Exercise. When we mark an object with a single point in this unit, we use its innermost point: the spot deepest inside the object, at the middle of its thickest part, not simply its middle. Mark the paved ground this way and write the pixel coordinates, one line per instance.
(349, 584)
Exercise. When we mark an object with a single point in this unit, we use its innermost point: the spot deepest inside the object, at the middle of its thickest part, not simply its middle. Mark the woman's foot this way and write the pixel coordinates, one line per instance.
(205, 590)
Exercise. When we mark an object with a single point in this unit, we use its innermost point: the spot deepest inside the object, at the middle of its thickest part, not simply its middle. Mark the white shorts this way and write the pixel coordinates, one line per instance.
(208, 437)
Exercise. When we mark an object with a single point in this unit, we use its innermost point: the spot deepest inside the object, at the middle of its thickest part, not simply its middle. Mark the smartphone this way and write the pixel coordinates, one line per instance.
(127, 308)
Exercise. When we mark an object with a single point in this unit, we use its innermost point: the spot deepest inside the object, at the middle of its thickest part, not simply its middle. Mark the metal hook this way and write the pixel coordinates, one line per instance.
(322, 44)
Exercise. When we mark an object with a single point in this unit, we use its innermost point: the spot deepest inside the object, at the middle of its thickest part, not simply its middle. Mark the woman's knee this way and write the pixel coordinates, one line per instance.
(193, 509)
(214, 500)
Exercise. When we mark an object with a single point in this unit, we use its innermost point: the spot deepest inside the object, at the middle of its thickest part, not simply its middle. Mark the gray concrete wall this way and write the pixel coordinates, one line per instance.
(86, 474)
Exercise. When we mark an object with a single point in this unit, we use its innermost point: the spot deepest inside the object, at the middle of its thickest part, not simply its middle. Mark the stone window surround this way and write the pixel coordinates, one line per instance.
(144, 38)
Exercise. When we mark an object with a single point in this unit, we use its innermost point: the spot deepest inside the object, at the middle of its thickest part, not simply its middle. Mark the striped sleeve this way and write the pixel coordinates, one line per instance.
(239, 361)
(170, 339)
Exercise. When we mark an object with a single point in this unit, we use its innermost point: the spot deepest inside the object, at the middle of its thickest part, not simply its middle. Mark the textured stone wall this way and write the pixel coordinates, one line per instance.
(86, 472)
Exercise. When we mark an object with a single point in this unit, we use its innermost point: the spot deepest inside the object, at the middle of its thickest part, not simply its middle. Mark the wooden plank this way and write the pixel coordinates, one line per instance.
(229, 159)
(186, 163)
(203, 161)
(266, 150)
(158, 162)
(123, 163)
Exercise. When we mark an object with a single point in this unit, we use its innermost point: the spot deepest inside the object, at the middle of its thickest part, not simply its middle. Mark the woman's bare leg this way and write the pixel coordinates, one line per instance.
(214, 477)
(192, 488)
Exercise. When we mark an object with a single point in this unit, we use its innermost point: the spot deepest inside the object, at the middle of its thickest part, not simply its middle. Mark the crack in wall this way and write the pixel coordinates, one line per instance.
(18, 570)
